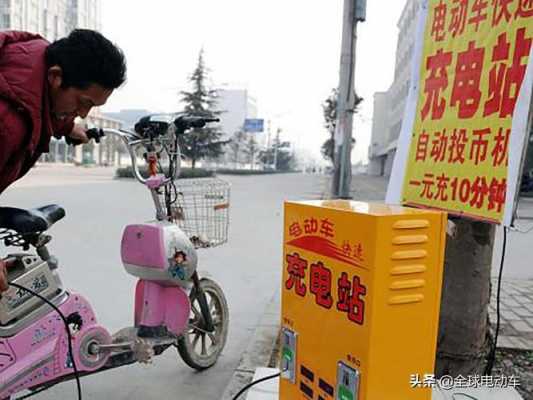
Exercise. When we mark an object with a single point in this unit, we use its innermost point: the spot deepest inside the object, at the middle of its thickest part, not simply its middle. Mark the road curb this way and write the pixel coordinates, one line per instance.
(259, 351)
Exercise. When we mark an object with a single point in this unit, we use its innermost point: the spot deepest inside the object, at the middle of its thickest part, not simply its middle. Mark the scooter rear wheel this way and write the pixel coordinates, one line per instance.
(198, 348)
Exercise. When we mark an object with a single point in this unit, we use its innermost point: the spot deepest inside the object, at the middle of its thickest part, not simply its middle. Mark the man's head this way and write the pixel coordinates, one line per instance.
(83, 69)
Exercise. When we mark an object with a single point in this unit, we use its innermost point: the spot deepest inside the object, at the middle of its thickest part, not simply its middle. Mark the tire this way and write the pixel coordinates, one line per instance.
(198, 349)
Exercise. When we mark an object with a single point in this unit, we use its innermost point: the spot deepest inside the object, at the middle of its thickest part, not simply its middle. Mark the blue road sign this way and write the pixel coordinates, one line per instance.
(253, 125)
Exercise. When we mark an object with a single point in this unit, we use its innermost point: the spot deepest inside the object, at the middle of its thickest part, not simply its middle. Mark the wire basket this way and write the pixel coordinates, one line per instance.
(202, 210)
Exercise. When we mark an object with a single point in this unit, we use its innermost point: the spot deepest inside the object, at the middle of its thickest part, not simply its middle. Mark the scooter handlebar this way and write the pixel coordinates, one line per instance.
(184, 122)
(92, 134)
(130, 140)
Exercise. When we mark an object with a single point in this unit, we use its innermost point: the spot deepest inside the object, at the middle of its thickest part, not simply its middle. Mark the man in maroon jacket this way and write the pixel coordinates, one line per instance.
(43, 88)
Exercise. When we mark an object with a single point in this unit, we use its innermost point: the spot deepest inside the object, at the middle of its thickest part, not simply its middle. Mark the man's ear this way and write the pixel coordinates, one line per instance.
(55, 77)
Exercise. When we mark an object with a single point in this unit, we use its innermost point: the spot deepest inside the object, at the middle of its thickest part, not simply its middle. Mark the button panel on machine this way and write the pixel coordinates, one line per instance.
(347, 383)
(288, 355)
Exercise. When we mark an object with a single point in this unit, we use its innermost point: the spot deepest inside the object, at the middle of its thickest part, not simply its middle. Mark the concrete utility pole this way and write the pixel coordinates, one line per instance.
(354, 11)
(276, 150)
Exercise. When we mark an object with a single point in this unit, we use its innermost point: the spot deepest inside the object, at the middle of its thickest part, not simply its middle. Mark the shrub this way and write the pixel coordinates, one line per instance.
(227, 171)
(127, 172)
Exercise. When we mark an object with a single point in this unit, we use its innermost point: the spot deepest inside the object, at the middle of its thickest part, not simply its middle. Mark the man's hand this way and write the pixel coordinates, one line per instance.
(77, 136)
(3, 276)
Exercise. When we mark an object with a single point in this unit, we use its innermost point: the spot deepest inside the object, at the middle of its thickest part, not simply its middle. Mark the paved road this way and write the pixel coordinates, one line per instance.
(87, 242)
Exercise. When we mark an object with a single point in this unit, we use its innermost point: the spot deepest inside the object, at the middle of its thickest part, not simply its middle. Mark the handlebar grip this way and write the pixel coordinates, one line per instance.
(92, 134)
(96, 134)
(184, 122)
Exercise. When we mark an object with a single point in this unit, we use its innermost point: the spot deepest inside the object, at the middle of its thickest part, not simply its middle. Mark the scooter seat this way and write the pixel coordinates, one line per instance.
(30, 221)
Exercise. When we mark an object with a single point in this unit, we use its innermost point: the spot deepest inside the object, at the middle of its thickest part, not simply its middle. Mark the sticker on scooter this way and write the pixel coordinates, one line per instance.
(176, 263)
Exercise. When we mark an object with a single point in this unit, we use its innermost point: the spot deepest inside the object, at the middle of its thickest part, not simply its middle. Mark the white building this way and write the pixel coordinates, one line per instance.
(52, 19)
(108, 152)
(236, 105)
(84, 14)
(128, 116)
(390, 105)
(380, 134)
(47, 18)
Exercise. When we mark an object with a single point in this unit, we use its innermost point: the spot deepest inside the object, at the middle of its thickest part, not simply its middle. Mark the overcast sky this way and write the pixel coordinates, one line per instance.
(285, 52)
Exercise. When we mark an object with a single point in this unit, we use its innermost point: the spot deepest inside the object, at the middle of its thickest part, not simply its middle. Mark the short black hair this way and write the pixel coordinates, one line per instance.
(87, 57)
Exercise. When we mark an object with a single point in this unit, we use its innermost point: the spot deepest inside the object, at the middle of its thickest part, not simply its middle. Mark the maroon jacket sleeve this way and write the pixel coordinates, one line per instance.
(14, 136)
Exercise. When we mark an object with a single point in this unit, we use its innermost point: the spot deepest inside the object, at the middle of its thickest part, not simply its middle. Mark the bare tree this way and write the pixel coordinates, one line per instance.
(250, 149)
(236, 146)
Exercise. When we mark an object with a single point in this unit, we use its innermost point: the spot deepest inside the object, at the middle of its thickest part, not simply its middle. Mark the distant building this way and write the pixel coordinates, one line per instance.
(389, 106)
(108, 152)
(111, 147)
(46, 18)
(128, 116)
(84, 14)
(236, 105)
(378, 150)
(52, 19)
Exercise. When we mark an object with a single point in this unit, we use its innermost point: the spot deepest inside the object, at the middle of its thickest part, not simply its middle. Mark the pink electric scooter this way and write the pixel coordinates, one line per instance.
(50, 335)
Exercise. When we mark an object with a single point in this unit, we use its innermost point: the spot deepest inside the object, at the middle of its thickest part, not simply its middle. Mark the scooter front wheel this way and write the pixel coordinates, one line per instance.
(199, 348)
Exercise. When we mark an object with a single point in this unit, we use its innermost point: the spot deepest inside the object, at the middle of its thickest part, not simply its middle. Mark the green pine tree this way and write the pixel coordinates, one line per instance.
(280, 152)
(200, 143)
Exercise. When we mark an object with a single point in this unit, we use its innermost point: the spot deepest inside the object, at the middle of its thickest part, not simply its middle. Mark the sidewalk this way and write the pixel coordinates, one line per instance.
(269, 390)
(260, 350)
(516, 313)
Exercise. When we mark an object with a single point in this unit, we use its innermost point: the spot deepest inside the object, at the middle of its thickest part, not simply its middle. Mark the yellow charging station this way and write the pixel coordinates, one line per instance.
(360, 299)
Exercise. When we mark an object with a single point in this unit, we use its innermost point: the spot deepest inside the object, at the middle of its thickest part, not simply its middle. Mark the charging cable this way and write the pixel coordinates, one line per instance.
(464, 396)
(492, 354)
(266, 378)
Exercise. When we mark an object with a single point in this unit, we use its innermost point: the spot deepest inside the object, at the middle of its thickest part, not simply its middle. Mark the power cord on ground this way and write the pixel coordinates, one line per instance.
(253, 383)
(464, 396)
(520, 229)
(69, 335)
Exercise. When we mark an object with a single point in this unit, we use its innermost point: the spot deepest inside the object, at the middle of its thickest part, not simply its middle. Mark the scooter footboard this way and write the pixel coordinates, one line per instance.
(157, 305)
